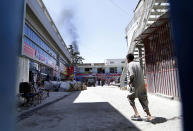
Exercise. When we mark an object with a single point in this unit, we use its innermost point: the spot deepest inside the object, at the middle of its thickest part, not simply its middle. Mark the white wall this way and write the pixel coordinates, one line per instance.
(81, 69)
(107, 70)
(119, 69)
(23, 71)
(114, 62)
(131, 32)
(117, 63)
(135, 23)
(94, 70)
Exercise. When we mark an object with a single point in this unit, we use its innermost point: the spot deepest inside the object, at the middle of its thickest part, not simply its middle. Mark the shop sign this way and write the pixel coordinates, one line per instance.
(107, 75)
(35, 54)
(28, 50)
(41, 58)
(70, 72)
(49, 62)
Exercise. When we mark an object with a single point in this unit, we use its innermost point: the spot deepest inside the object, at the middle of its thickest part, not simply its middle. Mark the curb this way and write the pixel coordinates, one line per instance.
(166, 97)
(29, 112)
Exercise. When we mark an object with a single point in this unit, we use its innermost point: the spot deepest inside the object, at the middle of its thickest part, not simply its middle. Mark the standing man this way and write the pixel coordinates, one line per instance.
(137, 88)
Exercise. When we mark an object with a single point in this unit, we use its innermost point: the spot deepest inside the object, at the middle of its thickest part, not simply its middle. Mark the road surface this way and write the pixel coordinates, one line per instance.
(103, 109)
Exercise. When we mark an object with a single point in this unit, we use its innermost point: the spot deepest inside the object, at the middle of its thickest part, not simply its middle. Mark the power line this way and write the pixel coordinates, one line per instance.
(123, 10)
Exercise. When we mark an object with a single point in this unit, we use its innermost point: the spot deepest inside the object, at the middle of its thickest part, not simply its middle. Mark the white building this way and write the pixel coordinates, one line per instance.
(110, 69)
(145, 14)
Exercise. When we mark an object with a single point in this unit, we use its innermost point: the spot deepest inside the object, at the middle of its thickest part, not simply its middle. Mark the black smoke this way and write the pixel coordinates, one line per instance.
(68, 19)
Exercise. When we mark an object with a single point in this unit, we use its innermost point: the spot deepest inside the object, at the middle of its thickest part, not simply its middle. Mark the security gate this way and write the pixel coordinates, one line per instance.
(161, 67)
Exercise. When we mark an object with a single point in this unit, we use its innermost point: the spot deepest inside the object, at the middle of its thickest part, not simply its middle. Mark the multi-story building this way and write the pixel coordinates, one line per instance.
(111, 69)
(145, 14)
(43, 51)
(150, 32)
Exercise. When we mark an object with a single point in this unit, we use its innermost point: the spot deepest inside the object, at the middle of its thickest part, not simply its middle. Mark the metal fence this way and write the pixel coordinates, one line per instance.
(161, 65)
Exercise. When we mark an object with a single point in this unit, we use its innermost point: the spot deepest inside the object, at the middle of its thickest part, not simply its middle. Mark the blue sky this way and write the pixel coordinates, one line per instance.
(98, 26)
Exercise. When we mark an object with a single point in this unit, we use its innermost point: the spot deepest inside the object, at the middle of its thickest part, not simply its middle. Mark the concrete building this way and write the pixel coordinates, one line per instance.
(161, 65)
(149, 38)
(145, 14)
(111, 69)
(43, 51)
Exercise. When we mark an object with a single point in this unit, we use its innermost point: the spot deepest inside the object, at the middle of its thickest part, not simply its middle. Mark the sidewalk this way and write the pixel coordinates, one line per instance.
(167, 113)
(54, 97)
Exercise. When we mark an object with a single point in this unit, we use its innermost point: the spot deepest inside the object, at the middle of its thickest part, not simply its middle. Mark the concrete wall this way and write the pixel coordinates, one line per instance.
(133, 25)
(107, 69)
(81, 70)
(119, 69)
(114, 61)
(23, 71)
(94, 70)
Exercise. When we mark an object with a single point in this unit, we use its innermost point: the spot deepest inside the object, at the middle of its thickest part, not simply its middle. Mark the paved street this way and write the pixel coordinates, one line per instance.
(102, 109)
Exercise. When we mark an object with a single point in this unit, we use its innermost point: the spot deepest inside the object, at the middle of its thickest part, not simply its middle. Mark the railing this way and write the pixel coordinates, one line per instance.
(147, 6)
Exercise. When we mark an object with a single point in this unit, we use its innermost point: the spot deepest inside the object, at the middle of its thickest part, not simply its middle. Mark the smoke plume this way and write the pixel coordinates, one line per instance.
(67, 18)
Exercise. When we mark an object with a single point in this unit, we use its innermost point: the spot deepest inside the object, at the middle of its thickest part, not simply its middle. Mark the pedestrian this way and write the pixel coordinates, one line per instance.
(103, 82)
(137, 88)
(98, 82)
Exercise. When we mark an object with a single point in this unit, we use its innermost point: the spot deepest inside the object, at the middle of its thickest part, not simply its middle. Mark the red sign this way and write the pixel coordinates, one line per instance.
(108, 75)
(70, 72)
(98, 75)
(28, 50)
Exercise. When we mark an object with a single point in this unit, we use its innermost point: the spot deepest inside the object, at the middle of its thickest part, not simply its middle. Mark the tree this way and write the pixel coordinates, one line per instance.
(76, 58)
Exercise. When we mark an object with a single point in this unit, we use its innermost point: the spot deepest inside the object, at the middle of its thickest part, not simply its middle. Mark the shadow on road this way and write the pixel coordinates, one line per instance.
(86, 116)
(158, 120)
(98, 116)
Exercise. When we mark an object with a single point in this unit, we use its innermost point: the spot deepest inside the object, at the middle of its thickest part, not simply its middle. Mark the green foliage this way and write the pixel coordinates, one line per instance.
(124, 88)
(76, 58)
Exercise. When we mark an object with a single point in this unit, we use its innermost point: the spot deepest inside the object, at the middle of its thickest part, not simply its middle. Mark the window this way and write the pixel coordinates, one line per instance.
(100, 70)
(88, 69)
(113, 70)
(38, 41)
(111, 62)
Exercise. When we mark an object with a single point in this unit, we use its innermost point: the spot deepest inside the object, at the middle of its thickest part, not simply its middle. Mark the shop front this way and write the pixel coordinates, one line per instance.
(63, 69)
(70, 73)
(108, 77)
(42, 59)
